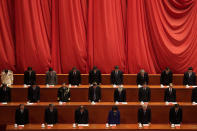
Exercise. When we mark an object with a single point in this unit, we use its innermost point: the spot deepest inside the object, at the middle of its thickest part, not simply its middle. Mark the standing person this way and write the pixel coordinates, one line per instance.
(166, 77)
(144, 115)
(51, 115)
(170, 94)
(34, 93)
(94, 93)
(117, 76)
(114, 116)
(175, 115)
(189, 77)
(63, 93)
(95, 75)
(81, 115)
(29, 76)
(74, 77)
(120, 94)
(142, 77)
(21, 115)
(144, 93)
(5, 93)
(7, 77)
(51, 77)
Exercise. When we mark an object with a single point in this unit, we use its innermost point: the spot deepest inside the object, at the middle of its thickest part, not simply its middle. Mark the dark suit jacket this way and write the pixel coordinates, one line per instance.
(22, 118)
(74, 79)
(120, 97)
(114, 118)
(81, 118)
(144, 95)
(29, 79)
(194, 95)
(166, 79)
(51, 117)
(144, 118)
(189, 80)
(51, 78)
(34, 95)
(5, 95)
(95, 77)
(170, 97)
(140, 80)
(117, 79)
(93, 92)
(63, 94)
(175, 118)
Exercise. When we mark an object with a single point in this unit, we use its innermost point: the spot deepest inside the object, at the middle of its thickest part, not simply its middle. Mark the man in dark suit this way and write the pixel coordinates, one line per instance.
(166, 77)
(189, 77)
(34, 93)
(5, 93)
(120, 94)
(22, 115)
(74, 77)
(81, 115)
(51, 115)
(29, 76)
(63, 93)
(175, 114)
(144, 115)
(95, 75)
(117, 76)
(194, 95)
(142, 77)
(94, 93)
(51, 77)
(170, 94)
(144, 93)
(114, 116)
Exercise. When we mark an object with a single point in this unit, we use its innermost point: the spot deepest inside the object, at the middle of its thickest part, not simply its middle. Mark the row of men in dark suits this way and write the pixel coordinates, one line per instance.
(74, 77)
(82, 116)
(94, 94)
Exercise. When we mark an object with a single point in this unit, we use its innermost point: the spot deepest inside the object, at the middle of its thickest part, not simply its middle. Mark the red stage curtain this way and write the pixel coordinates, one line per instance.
(133, 34)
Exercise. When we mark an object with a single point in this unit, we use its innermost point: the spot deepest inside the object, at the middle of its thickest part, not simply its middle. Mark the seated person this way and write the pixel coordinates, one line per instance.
(7, 77)
(74, 77)
(144, 115)
(142, 77)
(5, 93)
(166, 77)
(51, 77)
(189, 77)
(29, 76)
(94, 93)
(22, 115)
(144, 93)
(175, 114)
(194, 95)
(81, 115)
(170, 94)
(117, 76)
(34, 93)
(51, 115)
(63, 93)
(95, 75)
(120, 94)
(114, 116)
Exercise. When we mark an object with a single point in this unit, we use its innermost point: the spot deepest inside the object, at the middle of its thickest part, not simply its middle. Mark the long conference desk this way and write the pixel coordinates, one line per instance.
(101, 127)
(129, 79)
(80, 94)
(98, 112)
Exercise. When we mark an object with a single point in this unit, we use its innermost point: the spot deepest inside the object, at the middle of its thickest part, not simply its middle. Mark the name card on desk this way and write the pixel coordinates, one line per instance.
(29, 103)
(113, 125)
(146, 125)
(4, 103)
(83, 124)
(124, 103)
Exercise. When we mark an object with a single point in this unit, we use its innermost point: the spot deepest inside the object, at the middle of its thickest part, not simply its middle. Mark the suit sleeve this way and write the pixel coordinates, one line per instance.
(56, 82)
(90, 77)
(115, 96)
(29, 94)
(140, 95)
(46, 116)
(34, 77)
(161, 78)
(56, 116)
(70, 78)
(193, 94)
(38, 93)
(147, 78)
(76, 116)
(181, 115)
(138, 79)
(87, 117)
(121, 77)
(25, 77)
(47, 78)
(79, 77)
(112, 77)
(16, 117)
(175, 95)
(184, 79)
(99, 77)
(124, 96)
(149, 117)
(149, 94)
(171, 116)
(194, 79)
(171, 77)
(89, 94)
(165, 95)
(139, 117)
(99, 93)
(27, 117)
(9, 95)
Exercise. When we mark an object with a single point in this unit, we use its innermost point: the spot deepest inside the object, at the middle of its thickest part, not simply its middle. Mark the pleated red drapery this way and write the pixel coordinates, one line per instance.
(132, 34)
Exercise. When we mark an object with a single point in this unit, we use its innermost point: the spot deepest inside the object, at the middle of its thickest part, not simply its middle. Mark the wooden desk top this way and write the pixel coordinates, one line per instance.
(96, 104)
(31, 127)
(103, 86)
